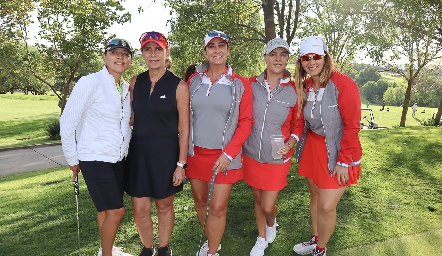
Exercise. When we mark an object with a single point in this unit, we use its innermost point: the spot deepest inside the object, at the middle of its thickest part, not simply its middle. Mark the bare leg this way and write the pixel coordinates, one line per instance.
(100, 217)
(216, 220)
(143, 220)
(268, 206)
(109, 228)
(259, 215)
(327, 203)
(314, 197)
(265, 209)
(166, 217)
(200, 191)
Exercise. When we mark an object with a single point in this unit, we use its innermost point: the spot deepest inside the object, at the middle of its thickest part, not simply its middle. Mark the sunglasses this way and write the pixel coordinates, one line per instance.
(218, 34)
(119, 42)
(157, 36)
(313, 56)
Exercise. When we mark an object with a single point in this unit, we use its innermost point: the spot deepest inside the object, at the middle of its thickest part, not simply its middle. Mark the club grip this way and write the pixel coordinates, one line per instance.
(76, 189)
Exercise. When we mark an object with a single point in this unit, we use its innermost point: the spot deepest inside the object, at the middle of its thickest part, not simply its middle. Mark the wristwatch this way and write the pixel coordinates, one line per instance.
(182, 165)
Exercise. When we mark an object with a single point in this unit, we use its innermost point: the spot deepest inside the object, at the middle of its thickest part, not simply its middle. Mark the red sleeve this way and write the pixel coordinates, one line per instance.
(190, 78)
(297, 124)
(252, 79)
(245, 121)
(349, 103)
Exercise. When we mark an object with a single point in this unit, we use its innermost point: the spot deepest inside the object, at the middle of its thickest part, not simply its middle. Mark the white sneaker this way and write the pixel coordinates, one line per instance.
(260, 246)
(216, 254)
(305, 247)
(205, 249)
(271, 232)
(116, 251)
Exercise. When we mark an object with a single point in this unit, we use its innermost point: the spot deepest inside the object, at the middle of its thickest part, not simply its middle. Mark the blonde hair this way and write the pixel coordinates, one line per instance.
(169, 62)
(301, 76)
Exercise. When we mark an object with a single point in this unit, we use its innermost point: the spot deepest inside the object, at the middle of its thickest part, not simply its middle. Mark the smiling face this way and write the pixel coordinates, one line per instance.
(276, 61)
(154, 56)
(117, 61)
(313, 67)
(217, 51)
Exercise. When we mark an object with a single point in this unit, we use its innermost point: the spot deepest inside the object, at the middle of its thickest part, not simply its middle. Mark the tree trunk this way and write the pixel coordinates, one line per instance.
(269, 19)
(438, 114)
(406, 103)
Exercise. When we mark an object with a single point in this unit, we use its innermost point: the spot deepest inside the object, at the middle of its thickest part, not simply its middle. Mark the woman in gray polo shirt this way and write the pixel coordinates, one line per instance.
(220, 122)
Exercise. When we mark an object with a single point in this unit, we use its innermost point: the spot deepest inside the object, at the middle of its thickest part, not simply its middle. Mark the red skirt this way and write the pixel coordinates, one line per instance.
(200, 167)
(270, 177)
(313, 164)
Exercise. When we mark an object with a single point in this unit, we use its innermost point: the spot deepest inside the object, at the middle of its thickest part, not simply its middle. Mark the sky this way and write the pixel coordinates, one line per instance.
(154, 18)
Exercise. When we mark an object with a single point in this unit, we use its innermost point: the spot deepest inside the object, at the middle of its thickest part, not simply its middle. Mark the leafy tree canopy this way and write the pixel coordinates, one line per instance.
(240, 20)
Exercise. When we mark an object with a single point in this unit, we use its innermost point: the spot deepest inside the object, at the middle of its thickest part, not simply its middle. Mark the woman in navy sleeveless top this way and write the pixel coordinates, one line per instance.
(158, 150)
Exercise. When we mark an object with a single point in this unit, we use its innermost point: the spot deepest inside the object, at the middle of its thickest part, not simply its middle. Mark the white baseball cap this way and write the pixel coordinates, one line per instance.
(214, 34)
(312, 44)
(276, 43)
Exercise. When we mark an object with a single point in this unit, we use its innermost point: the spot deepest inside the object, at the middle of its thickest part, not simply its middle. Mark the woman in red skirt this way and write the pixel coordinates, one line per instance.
(329, 152)
(274, 114)
(220, 122)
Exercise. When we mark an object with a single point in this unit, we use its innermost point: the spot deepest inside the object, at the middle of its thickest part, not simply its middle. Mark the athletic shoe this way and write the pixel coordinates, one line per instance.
(147, 251)
(317, 252)
(306, 247)
(204, 250)
(116, 251)
(271, 232)
(259, 248)
(216, 254)
(165, 251)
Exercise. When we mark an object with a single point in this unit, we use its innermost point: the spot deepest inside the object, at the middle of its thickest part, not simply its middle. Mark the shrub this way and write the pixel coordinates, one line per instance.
(429, 122)
(53, 130)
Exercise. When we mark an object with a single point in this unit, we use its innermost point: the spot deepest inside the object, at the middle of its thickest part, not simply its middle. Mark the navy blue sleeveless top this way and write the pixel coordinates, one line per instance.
(156, 114)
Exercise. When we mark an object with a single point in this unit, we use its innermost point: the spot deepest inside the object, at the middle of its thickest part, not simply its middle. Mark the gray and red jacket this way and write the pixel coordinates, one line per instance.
(273, 115)
(239, 123)
(340, 115)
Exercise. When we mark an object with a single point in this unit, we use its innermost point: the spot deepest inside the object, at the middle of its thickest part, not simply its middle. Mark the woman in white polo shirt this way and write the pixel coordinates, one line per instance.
(95, 134)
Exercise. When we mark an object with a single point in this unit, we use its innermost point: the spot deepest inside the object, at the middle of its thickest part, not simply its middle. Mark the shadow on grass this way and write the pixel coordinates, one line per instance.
(398, 184)
(25, 131)
(399, 192)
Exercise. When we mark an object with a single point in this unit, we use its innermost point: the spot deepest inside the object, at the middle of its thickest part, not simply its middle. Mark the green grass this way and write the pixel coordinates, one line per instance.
(24, 119)
(396, 209)
(393, 117)
(393, 78)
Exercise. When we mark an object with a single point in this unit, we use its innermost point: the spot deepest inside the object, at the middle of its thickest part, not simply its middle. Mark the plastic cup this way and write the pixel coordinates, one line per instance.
(277, 143)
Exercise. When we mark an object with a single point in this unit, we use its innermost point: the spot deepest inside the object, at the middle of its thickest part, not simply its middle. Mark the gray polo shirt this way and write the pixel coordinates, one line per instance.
(211, 105)
(312, 110)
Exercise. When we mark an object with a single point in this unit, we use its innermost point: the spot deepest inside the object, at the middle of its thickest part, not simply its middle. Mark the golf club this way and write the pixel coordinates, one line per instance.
(77, 192)
(212, 185)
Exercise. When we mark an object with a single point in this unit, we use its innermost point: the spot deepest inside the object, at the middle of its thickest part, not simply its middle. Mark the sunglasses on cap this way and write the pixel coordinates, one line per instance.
(311, 56)
(118, 43)
(218, 34)
(157, 36)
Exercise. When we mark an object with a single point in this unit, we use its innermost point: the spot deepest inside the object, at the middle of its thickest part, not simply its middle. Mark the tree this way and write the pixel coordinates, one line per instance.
(427, 90)
(73, 33)
(409, 28)
(342, 25)
(367, 74)
(239, 19)
(14, 69)
(394, 96)
(374, 91)
(14, 16)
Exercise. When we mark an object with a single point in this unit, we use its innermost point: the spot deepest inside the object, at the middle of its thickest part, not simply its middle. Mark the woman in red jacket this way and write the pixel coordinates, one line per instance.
(275, 112)
(220, 122)
(329, 152)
